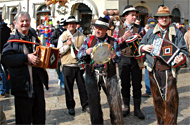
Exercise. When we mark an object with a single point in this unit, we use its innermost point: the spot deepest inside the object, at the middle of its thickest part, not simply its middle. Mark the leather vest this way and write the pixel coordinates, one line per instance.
(125, 50)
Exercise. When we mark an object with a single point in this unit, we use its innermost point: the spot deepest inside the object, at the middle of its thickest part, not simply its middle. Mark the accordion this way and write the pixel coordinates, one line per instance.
(164, 49)
(49, 57)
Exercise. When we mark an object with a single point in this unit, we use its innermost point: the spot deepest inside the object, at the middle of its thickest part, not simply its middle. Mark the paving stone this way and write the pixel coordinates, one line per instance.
(57, 113)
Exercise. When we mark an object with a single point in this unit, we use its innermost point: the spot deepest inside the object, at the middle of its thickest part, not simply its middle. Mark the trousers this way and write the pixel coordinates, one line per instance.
(70, 75)
(128, 66)
(147, 82)
(31, 110)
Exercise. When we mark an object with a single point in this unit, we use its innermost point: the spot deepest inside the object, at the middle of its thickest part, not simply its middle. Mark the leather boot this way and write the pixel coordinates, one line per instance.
(126, 110)
(137, 111)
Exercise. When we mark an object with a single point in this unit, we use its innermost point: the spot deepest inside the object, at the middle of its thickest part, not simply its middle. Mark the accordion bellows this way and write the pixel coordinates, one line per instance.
(49, 57)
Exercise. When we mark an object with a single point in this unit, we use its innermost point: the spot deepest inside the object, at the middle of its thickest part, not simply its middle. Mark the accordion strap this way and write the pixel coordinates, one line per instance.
(22, 41)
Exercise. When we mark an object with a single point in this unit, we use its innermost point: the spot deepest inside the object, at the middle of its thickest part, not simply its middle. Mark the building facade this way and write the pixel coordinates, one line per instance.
(87, 10)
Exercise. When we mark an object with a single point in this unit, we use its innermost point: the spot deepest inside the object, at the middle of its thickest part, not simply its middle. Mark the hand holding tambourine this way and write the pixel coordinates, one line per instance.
(89, 50)
(112, 54)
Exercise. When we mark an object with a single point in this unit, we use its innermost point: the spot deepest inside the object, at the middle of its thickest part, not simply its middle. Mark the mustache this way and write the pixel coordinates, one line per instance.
(98, 33)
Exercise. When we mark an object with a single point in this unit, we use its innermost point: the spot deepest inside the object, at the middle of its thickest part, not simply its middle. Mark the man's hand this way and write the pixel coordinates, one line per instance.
(139, 36)
(178, 58)
(89, 50)
(69, 42)
(32, 58)
(127, 34)
(112, 54)
(147, 48)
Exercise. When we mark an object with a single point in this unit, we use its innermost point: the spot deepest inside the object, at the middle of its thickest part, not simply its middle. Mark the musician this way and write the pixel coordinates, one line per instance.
(107, 78)
(163, 77)
(129, 66)
(69, 43)
(26, 81)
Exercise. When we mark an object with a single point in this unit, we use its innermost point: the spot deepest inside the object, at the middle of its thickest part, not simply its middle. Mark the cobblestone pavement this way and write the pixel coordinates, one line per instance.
(56, 112)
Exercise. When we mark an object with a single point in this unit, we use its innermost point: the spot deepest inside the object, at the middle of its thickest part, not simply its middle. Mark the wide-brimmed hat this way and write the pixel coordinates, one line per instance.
(102, 22)
(129, 8)
(62, 22)
(163, 11)
(71, 19)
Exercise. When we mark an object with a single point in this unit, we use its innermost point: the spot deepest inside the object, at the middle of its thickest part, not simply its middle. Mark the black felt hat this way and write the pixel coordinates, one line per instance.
(71, 19)
(62, 22)
(129, 8)
(102, 22)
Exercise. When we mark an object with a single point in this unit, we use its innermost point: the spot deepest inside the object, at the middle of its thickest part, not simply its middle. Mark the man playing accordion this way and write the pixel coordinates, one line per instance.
(26, 80)
(163, 77)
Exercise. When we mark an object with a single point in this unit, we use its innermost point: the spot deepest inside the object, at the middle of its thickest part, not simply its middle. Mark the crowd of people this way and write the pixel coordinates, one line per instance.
(27, 81)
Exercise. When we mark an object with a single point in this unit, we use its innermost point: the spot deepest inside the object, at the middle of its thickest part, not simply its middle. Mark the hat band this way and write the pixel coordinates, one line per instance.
(101, 23)
(129, 9)
(71, 20)
(163, 12)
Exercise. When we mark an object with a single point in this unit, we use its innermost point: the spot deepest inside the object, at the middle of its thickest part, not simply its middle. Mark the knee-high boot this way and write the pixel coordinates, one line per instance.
(126, 110)
(137, 111)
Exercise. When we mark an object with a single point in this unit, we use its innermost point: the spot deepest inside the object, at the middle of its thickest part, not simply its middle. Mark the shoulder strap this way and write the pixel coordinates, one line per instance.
(22, 41)
(158, 34)
(90, 41)
(139, 29)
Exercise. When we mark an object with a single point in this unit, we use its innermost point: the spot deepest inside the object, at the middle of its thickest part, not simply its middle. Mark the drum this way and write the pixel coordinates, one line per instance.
(133, 43)
(101, 53)
(164, 49)
(49, 57)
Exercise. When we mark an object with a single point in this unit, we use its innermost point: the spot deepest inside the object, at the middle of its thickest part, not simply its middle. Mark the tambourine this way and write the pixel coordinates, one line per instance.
(101, 53)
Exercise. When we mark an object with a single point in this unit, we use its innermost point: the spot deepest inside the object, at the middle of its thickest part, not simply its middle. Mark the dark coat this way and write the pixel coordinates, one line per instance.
(15, 60)
(55, 36)
(4, 34)
(177, 39)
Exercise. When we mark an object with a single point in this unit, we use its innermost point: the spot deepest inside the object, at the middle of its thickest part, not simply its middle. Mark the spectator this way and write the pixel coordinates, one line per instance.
(54, 40)
(12, 26)
(182, 29)
(4, 35)
(111, 26)
(79, 28)
(187, 39)
(138, 21)
(151, 23)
